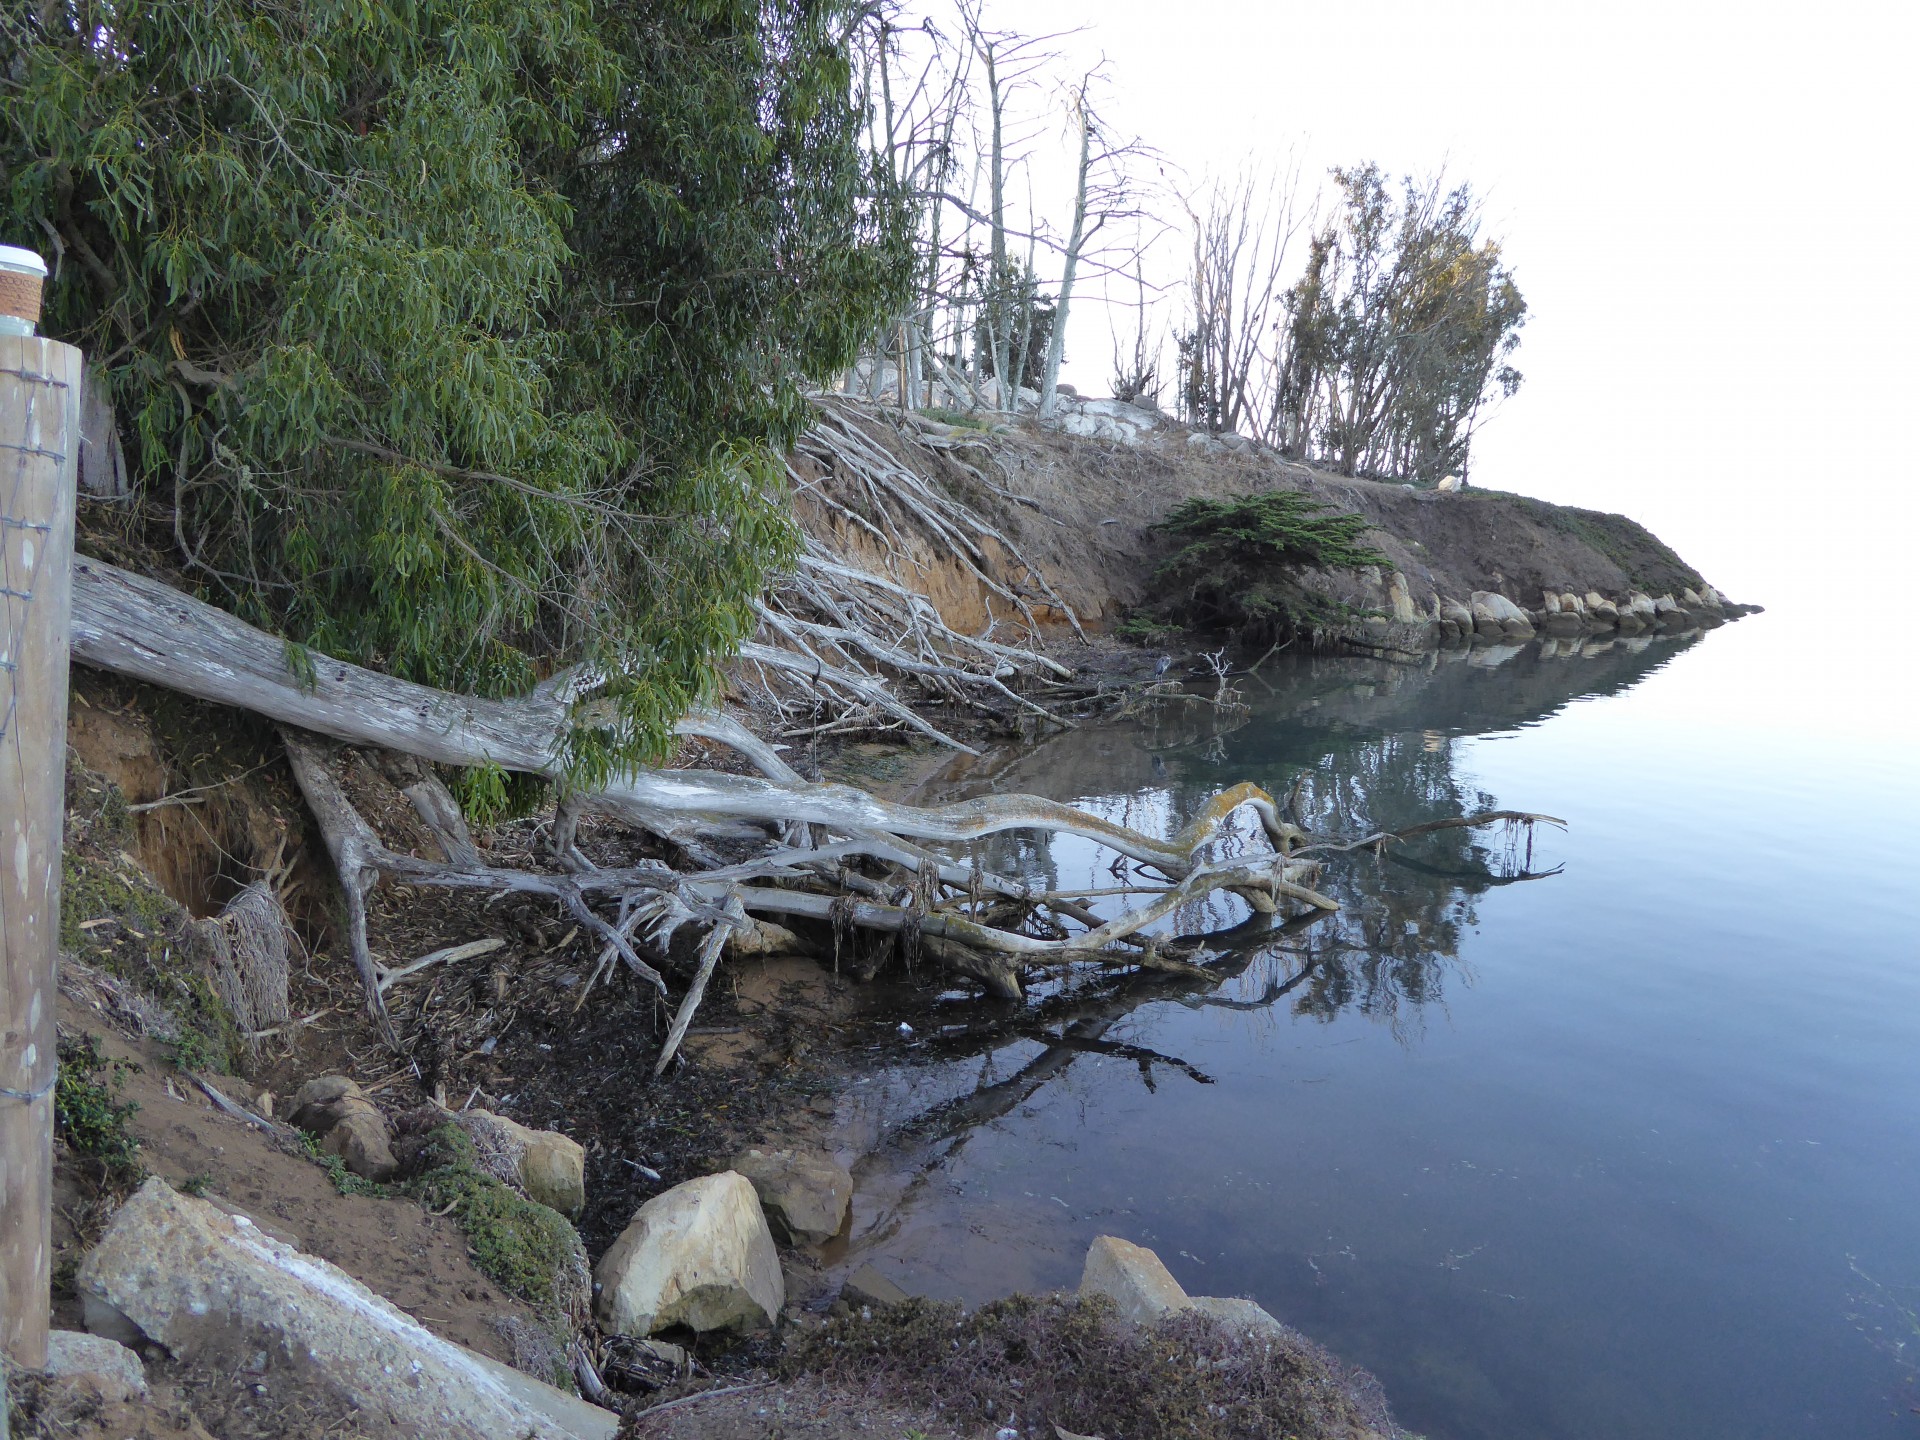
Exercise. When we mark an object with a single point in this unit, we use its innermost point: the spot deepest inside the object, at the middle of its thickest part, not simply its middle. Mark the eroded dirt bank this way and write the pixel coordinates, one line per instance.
(1080, 510)
(179, 806)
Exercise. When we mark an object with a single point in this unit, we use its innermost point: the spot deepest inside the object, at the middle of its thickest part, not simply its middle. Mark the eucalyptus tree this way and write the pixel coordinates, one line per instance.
(462, 337)
(1398, 333)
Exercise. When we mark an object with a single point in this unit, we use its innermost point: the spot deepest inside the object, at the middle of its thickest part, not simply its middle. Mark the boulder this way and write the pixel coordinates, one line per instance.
(1400, 600)
(348, 1123)
(1642, 605)
(177, 1271)
(1133, 1278)
(550, 1167)
(1601, 610)
(1497, 617)
(1563, 623)
(763, 937)
(1240, 1317)
(104, 1366)
(1690, 598)
(1452, 612)
(1550, 601)
(804, 1197)
(698, 1255)
(1572, 604)
(1713, 599)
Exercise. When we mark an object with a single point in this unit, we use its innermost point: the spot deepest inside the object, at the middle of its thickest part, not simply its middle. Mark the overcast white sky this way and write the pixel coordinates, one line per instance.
(1710, 207)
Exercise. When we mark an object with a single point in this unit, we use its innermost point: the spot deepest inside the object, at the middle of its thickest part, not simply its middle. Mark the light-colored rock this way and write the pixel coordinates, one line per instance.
(698, 1255)
(1550, 601)
(1400, 600)
(1563, 623)
(804, 1197)
(1642, 605)
(763, 937)
(348, 1123)
(1241, 1317)
(1497, 617)
(105, 1366)
(1455, 613)
(1690, 598)
(550, 1167)
(1133, 1278)
(198, 1281)
(363, 1144)
(1449, 485)
(1713, 599)
(1573, 604)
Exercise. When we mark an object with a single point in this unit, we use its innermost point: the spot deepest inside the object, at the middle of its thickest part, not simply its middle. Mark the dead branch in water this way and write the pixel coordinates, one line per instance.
(870, 868)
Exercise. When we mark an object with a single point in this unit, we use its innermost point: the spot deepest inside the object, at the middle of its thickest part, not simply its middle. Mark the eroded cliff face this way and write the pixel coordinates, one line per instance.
(1077, 510)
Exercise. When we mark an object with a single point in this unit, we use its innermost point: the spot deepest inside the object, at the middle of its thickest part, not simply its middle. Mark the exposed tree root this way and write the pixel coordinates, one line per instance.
(870, 870)
(836, 635)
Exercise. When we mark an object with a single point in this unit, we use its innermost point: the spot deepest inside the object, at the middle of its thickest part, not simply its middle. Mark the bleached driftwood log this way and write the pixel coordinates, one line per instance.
(877, 876)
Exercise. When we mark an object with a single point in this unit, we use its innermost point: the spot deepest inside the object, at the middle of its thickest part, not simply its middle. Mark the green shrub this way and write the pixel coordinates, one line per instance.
(90, 1117)
(1240, 562)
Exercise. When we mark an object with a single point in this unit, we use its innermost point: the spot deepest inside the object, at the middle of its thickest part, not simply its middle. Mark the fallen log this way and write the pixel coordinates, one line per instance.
(145, 630)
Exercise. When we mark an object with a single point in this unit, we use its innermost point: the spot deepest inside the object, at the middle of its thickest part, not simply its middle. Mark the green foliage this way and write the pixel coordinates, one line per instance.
(114, 917)
(960, 419)
(489, 795)
(344, 1180)
(528, 1249)
(1398, 334)
(1238, 563)
(1143, 629)
(90, 1117)
(1075, 1363)
(196, 1185)
(462, 339)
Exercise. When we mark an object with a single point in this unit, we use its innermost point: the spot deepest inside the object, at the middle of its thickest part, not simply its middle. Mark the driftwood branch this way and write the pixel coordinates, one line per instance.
(826, 853)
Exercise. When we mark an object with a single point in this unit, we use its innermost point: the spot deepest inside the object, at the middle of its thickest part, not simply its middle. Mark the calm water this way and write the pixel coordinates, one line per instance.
(1619, 1137)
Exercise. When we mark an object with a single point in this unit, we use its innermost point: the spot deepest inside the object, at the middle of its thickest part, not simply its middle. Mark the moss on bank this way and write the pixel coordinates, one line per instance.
(529, 1250)
(115, 918)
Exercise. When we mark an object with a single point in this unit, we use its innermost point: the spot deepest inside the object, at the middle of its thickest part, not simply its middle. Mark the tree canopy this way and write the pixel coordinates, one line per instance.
(462, 337)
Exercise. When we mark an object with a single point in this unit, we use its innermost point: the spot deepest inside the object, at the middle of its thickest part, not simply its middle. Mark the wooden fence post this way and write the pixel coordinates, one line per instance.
(39, 449)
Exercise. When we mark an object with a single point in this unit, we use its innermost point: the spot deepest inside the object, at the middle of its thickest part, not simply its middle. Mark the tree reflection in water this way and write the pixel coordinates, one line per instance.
(1363, 746)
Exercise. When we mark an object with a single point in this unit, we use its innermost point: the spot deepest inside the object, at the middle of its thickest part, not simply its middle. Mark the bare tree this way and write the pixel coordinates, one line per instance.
(1104, 192)
(1242, 230)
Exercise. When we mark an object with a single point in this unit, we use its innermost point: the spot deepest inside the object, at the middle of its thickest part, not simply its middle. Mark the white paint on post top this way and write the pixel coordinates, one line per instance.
(12, 257)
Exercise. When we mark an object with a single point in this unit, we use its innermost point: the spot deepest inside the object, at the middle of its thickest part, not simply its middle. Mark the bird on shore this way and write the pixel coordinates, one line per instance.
(1162, 665)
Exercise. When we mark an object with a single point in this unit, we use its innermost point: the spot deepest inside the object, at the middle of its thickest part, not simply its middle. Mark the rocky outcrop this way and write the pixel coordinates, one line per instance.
(1143, 1290)
(698, 1255)
(1132, 1277)
(347, 1123)
(181, 1273)
(804, 1197)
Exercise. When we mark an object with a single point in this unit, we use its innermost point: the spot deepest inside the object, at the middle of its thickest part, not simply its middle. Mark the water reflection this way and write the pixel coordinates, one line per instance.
(1360, 746)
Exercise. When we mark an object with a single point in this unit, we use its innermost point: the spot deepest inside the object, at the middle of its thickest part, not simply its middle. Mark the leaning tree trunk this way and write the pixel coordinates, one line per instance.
(876, 877)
